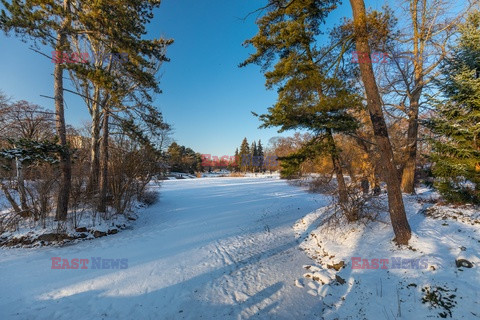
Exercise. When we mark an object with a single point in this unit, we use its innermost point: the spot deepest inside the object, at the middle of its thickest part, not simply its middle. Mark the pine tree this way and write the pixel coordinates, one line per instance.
(456, 146)
(118, 26)
(253, 157)
(260, 155)
(309, 97)
(244, 155)
(236, 164)
(50, 24)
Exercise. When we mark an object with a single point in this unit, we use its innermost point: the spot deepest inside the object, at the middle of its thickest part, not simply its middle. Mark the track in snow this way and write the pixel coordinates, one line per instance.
(221, 248)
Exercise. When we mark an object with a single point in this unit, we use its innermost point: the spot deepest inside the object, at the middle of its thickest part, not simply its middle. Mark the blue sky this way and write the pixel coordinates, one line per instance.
(206, 97)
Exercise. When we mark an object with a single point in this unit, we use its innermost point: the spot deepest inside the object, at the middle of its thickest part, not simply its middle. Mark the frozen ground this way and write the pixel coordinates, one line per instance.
(229, 248)
(427, 284)
(211, 248)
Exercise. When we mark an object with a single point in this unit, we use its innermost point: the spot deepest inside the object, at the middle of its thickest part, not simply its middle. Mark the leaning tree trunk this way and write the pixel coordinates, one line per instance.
(102, 204)
(65, 165)
(398, 217)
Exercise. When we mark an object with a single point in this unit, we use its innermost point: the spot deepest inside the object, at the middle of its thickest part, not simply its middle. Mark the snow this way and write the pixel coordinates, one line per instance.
(211, 248)
(239, 248)
(395, 293)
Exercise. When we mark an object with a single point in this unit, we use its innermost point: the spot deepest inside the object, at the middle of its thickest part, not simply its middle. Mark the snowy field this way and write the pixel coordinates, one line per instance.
(253, 248)
(210, 248)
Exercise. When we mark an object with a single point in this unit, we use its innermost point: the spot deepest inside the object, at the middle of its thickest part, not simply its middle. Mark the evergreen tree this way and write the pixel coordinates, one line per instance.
(253, 157)
(236, 164)
(244, 155)
(61, 22)
(456, 146)
(260, 155)
(308, 96)
(49, 24)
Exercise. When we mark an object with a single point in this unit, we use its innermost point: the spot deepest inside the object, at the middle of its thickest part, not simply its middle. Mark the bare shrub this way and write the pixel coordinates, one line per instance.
(364, 206)
(148, 197)
(236, 174)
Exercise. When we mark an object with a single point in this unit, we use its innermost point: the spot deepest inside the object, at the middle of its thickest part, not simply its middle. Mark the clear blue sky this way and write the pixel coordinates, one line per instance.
(206, 97)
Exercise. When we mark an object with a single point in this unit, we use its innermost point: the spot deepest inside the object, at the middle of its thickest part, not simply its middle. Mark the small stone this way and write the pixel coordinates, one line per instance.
(98, 234)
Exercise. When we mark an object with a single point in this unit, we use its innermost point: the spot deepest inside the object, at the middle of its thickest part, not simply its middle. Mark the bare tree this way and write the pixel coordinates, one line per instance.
(416, 52)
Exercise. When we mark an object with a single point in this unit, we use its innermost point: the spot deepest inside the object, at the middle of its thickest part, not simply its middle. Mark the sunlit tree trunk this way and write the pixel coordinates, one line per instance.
(398, 217)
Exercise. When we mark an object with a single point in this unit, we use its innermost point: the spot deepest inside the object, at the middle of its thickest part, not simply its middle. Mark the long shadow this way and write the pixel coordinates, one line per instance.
(159, 302)
(178, 297)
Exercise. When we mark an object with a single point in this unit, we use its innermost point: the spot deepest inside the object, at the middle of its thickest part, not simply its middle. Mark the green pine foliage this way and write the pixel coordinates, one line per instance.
(456, 146)
(28, 152)
(244, 155)
(310, 95)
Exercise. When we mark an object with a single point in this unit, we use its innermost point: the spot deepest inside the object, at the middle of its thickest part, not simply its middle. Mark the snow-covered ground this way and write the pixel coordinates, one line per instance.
(421, 281)
(239, 248)
(210, 248)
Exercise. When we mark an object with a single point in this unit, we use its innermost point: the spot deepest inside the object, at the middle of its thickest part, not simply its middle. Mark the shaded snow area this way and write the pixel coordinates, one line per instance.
(250, 248)
(209, 249)
(421, 281)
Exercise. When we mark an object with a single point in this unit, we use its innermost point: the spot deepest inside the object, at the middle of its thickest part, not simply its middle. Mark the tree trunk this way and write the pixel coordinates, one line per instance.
(102, 205)
(398, 217)
(21, 188)
(65, 165)
(408, 174)
(341, 185)
(93, 183)
(12, 202)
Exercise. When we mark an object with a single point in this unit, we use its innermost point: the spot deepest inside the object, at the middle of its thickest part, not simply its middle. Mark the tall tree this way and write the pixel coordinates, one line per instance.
(456, 144)
(308, 97)
(236, 164)
(253, 156)
(50, 24)
(398, 216)
(260, 155)
(112, 84)
(123, 86)
(415, 52)
(244, 155)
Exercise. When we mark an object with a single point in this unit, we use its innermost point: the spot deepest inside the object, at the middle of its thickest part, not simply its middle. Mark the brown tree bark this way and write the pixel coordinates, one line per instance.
(93, 182)
(102, 204)
(398, 217)
(65, 165)
(408, 173)
(341, 185)
(12, 201)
